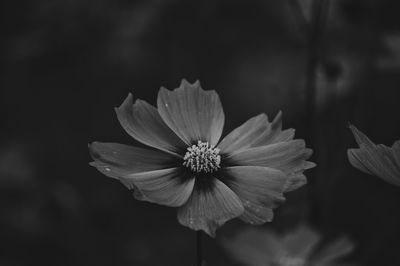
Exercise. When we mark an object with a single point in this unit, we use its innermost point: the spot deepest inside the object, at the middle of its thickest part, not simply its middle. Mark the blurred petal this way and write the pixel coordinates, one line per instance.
(118, 160)
(289, 157)
(165, 187)
(333, 251)
(373, 159)
(259, 188)
(253, 247)
(301, 242)
(209, 208)
(192, 113)
(257, 131)
(142, 121)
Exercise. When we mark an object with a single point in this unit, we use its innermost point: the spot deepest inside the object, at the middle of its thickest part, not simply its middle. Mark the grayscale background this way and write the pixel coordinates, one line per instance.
(67, 63)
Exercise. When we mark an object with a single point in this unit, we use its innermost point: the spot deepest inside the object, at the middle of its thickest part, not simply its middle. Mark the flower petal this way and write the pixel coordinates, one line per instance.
(396, 151)
(142, 121)
(259, 188)
(209, 208)
(289, 157)
(165, 187)
(257, 131)
(275, 133)
(243, 136)
(118, 160)
(378, 160)
(192, 113)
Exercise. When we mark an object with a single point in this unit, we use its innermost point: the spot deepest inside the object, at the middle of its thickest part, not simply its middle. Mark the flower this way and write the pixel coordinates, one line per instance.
(186, 166)
(378, 160)
(254, 247)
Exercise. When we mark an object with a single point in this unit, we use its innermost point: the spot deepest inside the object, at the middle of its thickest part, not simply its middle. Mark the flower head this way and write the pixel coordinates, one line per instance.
(187, 166)
(378, 160)
(300, 247)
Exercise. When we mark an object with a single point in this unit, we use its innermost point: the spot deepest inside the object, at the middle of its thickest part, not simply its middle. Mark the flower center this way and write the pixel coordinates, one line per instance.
(202, 158)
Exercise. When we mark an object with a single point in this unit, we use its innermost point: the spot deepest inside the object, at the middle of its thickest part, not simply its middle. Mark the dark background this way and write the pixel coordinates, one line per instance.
(67, 63)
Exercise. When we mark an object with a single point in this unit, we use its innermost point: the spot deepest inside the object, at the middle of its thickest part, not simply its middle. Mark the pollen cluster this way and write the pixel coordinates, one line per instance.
(201, 157)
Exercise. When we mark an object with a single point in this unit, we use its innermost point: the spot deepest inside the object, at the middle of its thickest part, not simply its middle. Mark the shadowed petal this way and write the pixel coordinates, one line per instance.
(373, 159)
(289, 157)
(142, 121)
(192, 113)
(259, 188)
(165, 187)
(208, 209)
(257, 131)
(118, 160)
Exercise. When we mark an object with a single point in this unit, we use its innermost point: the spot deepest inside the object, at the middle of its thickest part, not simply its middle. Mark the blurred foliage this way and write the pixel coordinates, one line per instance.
(67, 63)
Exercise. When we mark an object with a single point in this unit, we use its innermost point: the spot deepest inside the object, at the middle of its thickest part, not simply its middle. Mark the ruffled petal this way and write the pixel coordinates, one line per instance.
(378, 160)
(243, 136)
(192, 113)
(118, 160)
(256, 131)
(275, 133)
(259, 188)
(289, 157)
(209, 208)
(165, 187)
(142, 121)
(298, 179)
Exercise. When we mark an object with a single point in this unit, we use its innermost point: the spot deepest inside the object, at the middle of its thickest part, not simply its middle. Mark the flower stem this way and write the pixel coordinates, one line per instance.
(199, 248)
(315, 55)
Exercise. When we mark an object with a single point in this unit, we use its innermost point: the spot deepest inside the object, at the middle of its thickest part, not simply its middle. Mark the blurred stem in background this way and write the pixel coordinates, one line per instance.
(199, 248)
(313, 29)
(319, 12)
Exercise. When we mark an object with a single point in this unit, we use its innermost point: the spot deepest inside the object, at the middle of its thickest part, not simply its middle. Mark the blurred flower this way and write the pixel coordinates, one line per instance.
(255, 247)
(390, 60)
(378, 160)
(186, 166)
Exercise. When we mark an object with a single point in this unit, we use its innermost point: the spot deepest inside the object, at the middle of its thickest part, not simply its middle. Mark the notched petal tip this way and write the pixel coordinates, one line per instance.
(192, 113)
(187, 85)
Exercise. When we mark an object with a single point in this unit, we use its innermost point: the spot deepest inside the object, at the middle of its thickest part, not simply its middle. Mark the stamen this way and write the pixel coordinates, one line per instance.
(202, 158)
